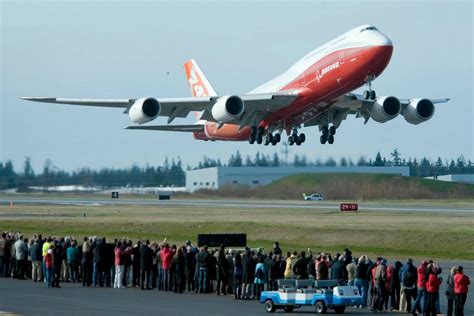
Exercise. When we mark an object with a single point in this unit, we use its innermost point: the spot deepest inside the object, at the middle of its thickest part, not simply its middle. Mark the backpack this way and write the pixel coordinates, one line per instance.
(409, 278)
(259, 274)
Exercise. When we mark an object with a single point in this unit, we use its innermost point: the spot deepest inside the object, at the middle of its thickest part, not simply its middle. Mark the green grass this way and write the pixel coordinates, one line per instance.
(392, 234)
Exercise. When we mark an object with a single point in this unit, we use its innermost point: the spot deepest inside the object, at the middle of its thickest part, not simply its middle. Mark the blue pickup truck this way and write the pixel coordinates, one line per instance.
(323, 295)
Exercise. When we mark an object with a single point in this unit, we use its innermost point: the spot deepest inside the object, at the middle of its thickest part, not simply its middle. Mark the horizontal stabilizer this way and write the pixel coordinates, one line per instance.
(170, 128)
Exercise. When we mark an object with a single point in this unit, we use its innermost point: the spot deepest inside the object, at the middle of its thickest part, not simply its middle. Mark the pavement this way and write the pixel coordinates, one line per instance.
(28, 298)
(224, 203)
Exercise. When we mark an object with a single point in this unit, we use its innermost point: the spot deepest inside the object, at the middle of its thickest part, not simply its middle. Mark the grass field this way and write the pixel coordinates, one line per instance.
(392, 234)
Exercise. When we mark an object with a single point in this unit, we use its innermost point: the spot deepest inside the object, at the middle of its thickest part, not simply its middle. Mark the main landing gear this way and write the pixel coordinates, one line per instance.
(294, 138)
(257, 136)
(328, 134)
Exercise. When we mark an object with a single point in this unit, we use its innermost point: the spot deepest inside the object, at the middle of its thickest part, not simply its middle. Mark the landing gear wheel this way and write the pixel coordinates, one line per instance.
(324, 130)
(298, 141)
(277, 137)
(260, 131)
(302, 137)
(269, 307)
(330, 139)
(253, 131)
(259, 139)
(251, 140)
(339, 309)
(290, 140)
(266, 142)
(288, 309)
(373, 95)
(323, 139)
(321, 307)
(274, 142)
(332, 130)
(366, 94)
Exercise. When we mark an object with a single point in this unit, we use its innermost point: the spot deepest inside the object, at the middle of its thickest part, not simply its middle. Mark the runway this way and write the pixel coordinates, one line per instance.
(236, 203)
(28, 298)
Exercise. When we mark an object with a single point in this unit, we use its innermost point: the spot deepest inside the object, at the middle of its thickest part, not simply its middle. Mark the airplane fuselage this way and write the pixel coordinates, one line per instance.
(326, 73)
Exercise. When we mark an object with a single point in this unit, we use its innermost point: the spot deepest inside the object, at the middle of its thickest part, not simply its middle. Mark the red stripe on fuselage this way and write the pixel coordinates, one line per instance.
(319, 85)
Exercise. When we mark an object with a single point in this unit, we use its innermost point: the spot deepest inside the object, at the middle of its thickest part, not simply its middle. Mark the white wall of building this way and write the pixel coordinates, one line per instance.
(213, 178)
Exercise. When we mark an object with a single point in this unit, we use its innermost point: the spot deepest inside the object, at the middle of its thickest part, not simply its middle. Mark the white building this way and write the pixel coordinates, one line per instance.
(461, 178)
(216, 177)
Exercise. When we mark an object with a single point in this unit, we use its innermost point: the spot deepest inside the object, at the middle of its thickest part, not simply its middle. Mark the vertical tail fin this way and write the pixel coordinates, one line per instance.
(200, 86)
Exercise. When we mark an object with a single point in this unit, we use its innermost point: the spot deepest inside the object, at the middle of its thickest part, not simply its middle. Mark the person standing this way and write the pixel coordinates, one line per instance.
(247, 274)
(73, 256)
(21, 253)
(432, 290)
(179, 263)
(450, 295)
(36, 260)
(360, 280)
(222, 273)
(395, 286)
(461, 284)
(237, 276)
(351, 269)
(166, 256)
(380, 285)
(86, 263)
(119, 265)
(408, 276)
(421, 292)
(49, 266)
(146, 263)
(259, 277)
(203, 260)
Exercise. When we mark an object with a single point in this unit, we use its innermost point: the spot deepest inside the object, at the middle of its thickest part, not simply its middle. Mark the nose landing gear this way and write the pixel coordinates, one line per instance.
(370, 94)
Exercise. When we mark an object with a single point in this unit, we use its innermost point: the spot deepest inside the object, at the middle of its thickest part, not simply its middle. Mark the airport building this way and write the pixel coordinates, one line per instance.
(461, 178)
(216, 177)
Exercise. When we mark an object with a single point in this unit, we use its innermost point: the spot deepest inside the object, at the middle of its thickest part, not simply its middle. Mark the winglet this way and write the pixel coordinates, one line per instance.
(200, 86)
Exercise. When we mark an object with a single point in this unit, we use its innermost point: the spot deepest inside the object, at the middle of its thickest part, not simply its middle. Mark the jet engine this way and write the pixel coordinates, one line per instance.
(385, 109)
(144, 110)
(228, 108)
(418, 111)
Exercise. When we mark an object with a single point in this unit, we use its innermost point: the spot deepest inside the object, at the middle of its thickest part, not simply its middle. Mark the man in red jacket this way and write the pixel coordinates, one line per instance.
(461, 283)
(432, 289)
(420, 301)
(166, 256)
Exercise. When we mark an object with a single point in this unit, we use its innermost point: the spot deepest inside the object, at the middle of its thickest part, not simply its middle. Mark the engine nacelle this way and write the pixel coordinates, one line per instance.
(228, 108)
(144, 110)
(418, 111)
(385, 109)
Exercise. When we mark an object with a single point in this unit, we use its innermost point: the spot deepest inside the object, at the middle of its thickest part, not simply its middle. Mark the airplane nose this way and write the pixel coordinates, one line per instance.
(380, 39)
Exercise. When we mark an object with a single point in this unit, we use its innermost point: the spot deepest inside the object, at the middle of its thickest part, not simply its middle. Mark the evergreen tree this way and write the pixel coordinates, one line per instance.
(275, 160)
(378, 160)
(395, 158)
(343, 162)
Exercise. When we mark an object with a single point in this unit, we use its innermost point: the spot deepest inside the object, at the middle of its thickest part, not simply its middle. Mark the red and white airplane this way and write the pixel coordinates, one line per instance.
(314, 91)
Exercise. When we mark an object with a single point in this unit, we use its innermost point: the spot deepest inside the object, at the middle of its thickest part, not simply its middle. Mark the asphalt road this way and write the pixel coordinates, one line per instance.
(231, 203)
(28, 298)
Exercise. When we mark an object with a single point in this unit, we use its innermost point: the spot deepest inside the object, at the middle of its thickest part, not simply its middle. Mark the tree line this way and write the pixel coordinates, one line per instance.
(172, 173)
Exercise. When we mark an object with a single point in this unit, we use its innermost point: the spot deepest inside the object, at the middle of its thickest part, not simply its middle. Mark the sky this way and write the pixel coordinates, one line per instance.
(98, 49)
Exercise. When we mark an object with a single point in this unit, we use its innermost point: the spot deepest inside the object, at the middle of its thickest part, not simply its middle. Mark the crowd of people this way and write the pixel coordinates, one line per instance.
(244, 273)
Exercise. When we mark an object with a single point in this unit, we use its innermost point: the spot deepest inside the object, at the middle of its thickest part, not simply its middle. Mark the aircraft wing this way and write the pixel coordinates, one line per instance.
(356, 104)
(170, 128)
(257, 106)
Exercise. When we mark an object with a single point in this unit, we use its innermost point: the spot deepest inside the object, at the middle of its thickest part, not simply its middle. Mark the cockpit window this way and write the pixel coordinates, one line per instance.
(368, 28)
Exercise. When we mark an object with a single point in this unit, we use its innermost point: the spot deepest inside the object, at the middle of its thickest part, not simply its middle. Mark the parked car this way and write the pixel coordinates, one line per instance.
(313, 197)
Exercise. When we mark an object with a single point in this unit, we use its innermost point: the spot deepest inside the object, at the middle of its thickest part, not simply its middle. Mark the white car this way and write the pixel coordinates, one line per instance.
(313, 197)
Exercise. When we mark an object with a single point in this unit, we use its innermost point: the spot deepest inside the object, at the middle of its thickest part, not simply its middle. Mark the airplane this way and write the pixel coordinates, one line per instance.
(315, 91)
